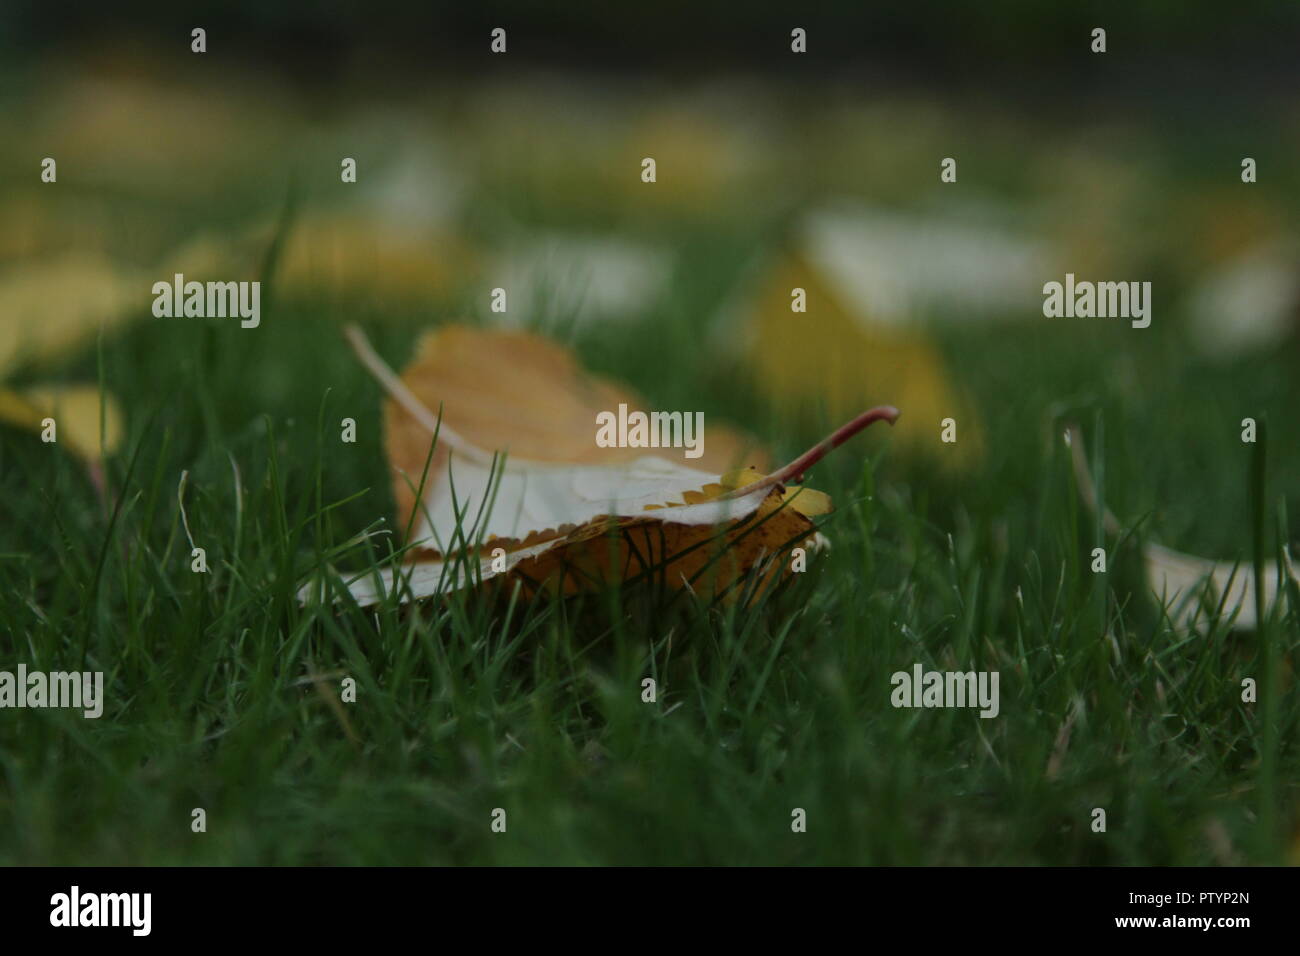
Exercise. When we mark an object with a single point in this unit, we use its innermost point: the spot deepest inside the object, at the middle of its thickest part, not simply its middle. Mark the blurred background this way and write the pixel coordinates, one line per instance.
(775, 170)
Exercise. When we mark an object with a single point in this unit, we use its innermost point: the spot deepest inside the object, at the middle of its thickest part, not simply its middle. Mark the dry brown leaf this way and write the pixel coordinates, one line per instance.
(713, 557)
(567, 524)
(516, 392)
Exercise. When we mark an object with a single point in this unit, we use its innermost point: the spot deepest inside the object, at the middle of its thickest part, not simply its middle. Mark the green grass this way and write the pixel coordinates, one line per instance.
(223, 692)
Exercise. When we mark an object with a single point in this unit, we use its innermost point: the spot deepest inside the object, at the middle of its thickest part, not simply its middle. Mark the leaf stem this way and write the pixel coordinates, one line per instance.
(397, 390)
(794, 471)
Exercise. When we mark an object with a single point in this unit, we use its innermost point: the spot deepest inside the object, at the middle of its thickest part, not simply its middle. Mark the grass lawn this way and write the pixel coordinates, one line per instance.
(223, 693)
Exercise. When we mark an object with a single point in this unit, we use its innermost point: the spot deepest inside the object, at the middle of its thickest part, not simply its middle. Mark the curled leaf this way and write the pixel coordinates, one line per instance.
(565, 515)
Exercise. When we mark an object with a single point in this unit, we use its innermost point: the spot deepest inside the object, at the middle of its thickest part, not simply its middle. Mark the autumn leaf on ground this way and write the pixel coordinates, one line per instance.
(76, 411)
(332, 253)
(46, 310)
(1190, 588)
(838, 318)
(517, 485)
(50, 307)
(519, 393)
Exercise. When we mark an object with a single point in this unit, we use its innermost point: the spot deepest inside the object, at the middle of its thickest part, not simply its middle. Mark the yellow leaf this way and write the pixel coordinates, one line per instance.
(75, 410)
(53, 306)
(833, 362)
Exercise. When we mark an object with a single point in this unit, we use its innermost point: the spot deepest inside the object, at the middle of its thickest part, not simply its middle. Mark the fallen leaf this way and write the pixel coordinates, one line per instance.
(76, 410)
(53, 306)
(586, 277)
(521, 394)
(557, 513)
(1186, 586)
(1248, 304)
(349, 253)
(711, 549)
(873, 281)
(1189, 587)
